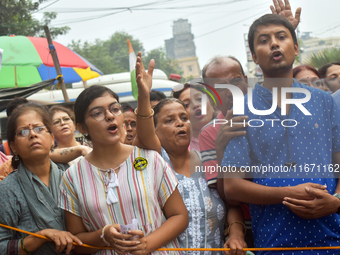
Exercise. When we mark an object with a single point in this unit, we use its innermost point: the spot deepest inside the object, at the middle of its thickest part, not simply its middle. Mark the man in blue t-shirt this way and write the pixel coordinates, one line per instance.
(288, 159)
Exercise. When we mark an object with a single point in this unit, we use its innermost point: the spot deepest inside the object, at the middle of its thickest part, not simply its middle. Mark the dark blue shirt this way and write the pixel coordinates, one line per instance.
(310, 144)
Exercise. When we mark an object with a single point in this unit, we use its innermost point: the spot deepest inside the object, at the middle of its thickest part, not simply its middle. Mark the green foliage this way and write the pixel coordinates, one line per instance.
(112, 55)
(16, 19)
(167, 65)
(324, 57)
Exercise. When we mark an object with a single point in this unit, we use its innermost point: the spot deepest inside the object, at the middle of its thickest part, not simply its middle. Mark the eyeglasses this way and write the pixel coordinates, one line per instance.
(132, 124)
(66, 120)
(26, 132)
(99, 113)
(313, 82)
(317, 83)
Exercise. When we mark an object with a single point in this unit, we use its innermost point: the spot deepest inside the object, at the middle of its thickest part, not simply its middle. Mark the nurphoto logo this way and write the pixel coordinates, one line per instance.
(238, 104)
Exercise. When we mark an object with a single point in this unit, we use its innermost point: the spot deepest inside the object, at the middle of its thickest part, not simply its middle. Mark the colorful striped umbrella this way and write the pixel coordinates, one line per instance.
(26, 61)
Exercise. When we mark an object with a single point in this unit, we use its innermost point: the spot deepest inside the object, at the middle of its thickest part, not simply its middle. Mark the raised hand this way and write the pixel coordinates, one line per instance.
(285, 10)
(143, 78)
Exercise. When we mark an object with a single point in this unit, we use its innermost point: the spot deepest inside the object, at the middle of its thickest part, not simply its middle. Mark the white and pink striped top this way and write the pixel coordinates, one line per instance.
(141, 194)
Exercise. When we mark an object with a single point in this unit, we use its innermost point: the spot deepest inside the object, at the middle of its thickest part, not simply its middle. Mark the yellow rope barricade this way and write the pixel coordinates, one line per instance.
(190, 249)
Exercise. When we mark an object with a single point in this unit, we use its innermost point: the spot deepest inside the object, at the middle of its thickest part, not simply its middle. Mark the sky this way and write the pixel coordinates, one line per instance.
(218, 26)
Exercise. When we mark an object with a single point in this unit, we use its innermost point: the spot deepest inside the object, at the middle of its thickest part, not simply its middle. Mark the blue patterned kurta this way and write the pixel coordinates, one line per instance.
(206, 213)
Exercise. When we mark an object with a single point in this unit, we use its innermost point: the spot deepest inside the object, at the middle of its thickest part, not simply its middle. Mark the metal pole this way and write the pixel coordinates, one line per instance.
(56, 63)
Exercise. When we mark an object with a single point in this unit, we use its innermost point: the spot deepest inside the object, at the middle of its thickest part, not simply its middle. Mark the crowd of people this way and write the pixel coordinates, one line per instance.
(144, 165)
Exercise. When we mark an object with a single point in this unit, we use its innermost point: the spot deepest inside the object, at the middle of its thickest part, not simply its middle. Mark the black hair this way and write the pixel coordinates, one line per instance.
(86, 97)
(156, 95)
(269, 19)
(162, 103)
(218, 60)
(178, 93)
(126, 107)
(14, 103)
(191, 84)
(12, 124)
(323, 69)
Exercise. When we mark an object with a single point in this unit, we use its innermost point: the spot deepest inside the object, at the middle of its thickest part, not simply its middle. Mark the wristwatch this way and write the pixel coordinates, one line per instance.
(338, 197)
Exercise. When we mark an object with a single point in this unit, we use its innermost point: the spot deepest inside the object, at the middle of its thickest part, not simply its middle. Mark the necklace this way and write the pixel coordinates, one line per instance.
(110, 180)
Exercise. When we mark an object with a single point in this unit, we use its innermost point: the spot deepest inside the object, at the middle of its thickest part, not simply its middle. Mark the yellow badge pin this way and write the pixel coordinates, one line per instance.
(140, 163)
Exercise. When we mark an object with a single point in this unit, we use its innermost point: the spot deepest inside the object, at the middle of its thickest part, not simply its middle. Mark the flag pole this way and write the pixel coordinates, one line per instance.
(56, 63)
(132, 64)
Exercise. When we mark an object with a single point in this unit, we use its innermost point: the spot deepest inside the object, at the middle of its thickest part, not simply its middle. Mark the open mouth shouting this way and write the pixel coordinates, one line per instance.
(277, 55)
(112, 128)
(198, 113)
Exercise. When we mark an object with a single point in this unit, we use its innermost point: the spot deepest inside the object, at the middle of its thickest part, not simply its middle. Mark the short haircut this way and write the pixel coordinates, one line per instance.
(86, 97)
(323, 70)
(14, 103)
(269, 19)
(156, 95)
(300, 68)
(59, 108)
(218, 60)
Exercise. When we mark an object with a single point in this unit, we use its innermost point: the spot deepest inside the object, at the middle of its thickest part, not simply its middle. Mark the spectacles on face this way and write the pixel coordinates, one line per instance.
(99, 113)
(313, 82)
(26, 132)
(66, 120)
(317, 83)
(132, 124)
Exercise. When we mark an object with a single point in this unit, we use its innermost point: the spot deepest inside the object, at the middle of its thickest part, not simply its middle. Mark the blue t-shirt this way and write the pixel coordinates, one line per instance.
(336, 96)
(313, 140)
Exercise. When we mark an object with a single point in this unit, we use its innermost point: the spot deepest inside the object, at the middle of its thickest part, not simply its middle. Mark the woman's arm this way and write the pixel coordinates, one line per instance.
(111, 235)
(146, 135)
(236, 231)
(62, 240)
(65, 155)
(177, 221)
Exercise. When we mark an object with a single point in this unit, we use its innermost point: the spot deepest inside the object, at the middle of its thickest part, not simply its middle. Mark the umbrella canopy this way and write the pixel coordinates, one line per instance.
(26, 61)
(7, 95)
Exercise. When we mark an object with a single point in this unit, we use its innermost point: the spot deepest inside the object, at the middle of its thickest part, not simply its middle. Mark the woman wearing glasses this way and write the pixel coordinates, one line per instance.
(309, 76)
(63, 129)
(117, 183)
(29, 194)
(130, 123)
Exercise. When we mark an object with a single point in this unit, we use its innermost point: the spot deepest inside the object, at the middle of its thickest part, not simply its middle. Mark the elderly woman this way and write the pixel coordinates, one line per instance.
(68, 150)
(29, 194)
(170, 135)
